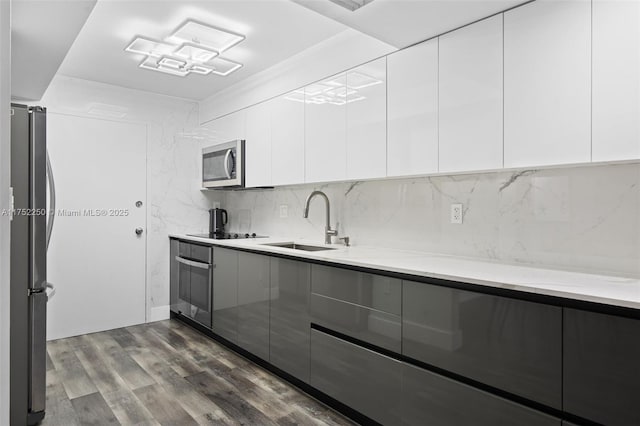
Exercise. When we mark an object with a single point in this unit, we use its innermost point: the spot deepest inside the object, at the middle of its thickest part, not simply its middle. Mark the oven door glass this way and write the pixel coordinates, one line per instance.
(219, 165)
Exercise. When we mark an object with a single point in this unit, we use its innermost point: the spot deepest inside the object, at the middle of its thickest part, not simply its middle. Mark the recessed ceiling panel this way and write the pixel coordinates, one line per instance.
(274, 30)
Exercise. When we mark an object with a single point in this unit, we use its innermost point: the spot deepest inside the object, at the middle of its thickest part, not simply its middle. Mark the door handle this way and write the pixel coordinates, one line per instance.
(139, 231)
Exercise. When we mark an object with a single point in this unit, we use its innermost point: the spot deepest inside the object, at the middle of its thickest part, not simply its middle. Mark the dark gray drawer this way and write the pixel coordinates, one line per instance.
(372, 326)
(602, 367)
(196, 252)
(369, 290)
(510, 344)
(431, 399)
(364, 380)
(201, 253)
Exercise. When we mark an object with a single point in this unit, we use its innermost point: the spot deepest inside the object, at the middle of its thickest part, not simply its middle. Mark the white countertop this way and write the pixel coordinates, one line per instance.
(616, 291)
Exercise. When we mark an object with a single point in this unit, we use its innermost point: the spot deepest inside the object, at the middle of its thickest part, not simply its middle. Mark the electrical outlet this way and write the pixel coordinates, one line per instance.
(284, 210)
(456, 213)
(216, 204)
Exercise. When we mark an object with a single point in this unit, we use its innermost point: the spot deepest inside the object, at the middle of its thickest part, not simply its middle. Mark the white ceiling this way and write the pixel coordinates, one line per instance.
(39, 42)
(274, 30)
(401, 23)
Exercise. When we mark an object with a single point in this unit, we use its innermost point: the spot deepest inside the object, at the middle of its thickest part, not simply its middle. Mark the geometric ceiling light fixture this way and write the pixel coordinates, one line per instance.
(154, 64)
(207, 36)
(223, 66)
(149, 47)
(195, 53)
(192, 48)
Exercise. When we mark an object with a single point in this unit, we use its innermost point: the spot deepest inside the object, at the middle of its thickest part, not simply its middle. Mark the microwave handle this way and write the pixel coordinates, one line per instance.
(226, 163)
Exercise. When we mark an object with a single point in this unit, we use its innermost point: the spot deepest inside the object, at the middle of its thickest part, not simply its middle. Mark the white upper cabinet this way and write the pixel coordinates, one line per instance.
(547, 81)
(258, 145)
(366, 98)
(616, 80)
(325, 130)
(287, 139)
(470, 87)
(412, 110)
(227, 128)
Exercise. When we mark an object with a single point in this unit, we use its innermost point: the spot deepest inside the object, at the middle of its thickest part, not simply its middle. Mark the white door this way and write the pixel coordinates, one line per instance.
(96, 260)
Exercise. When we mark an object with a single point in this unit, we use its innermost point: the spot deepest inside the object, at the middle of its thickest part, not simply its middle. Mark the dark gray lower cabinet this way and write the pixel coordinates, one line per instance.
(602, 367)
(253, 303)
(361, 305)
(225, 293)
(431, 399)
(289, 319)
(510, 344)
(364, 380)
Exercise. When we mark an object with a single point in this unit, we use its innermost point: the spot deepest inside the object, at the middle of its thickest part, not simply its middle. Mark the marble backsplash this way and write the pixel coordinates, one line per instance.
(578, 218)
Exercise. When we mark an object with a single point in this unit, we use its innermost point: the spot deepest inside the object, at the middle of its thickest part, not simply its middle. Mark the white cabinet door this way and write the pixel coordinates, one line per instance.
(547, 81)
(287, 139)
(258, 145)
(325, 131)
(366, 98)
(412, 110)
(470, 87)
(616, 80)
(227, 128)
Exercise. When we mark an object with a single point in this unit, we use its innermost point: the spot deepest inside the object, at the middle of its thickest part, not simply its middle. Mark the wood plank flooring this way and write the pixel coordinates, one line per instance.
(165, 373)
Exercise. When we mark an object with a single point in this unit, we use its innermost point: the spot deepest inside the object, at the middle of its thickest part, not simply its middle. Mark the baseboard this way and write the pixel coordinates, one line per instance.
(158, 313)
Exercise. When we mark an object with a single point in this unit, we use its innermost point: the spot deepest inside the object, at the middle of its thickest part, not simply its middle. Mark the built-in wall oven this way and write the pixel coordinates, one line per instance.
(192, 280)
(223, 165)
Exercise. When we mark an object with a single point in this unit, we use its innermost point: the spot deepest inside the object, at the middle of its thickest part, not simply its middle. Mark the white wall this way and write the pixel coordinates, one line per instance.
(343, 51)
(5, 181)
(580, 218)
(174, 201)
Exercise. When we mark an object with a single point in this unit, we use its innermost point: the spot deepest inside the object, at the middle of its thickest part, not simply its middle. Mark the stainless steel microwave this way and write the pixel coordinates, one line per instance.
(223, 165)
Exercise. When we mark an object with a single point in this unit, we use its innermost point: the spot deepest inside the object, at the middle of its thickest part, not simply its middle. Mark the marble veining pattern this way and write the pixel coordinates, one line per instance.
(577, 218)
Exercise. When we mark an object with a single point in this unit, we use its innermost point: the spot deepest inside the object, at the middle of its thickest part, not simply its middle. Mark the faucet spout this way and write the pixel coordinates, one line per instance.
(328, 232)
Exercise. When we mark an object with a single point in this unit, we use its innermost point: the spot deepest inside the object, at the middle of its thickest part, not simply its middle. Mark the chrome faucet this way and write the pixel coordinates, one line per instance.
(328, 232)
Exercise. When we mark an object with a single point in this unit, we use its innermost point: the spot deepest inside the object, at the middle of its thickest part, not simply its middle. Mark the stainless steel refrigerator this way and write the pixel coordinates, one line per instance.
(31, 225)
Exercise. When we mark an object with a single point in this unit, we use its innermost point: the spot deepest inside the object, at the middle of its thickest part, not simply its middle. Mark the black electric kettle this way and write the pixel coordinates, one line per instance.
(218, 218)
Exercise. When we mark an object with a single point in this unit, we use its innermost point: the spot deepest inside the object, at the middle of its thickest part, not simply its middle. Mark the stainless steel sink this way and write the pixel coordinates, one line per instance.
(296, 246)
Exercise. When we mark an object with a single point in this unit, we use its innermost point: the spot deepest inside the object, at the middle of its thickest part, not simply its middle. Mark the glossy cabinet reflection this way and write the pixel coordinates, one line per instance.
(258, 145)
(360, 305)
(412, 110)
(287, 139)
(227, 128)
(547, 83)
(602, 367)
(253, 303)
(470, 93)
(225, 293)
(431, 399)
(365, 95)
(289, 317)
(510, 344)
(325, 130)
(616, 81)
(364, 380)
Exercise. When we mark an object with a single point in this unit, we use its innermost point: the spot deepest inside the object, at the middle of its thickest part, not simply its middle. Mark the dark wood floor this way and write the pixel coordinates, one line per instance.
(166, 373)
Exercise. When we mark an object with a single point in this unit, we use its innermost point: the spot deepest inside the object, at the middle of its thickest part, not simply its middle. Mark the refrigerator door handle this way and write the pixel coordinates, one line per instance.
(51, 291)
(52, 201)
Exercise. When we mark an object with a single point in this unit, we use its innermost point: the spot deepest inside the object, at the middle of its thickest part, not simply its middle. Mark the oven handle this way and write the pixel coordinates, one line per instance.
(187, 262)
(226, 163)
